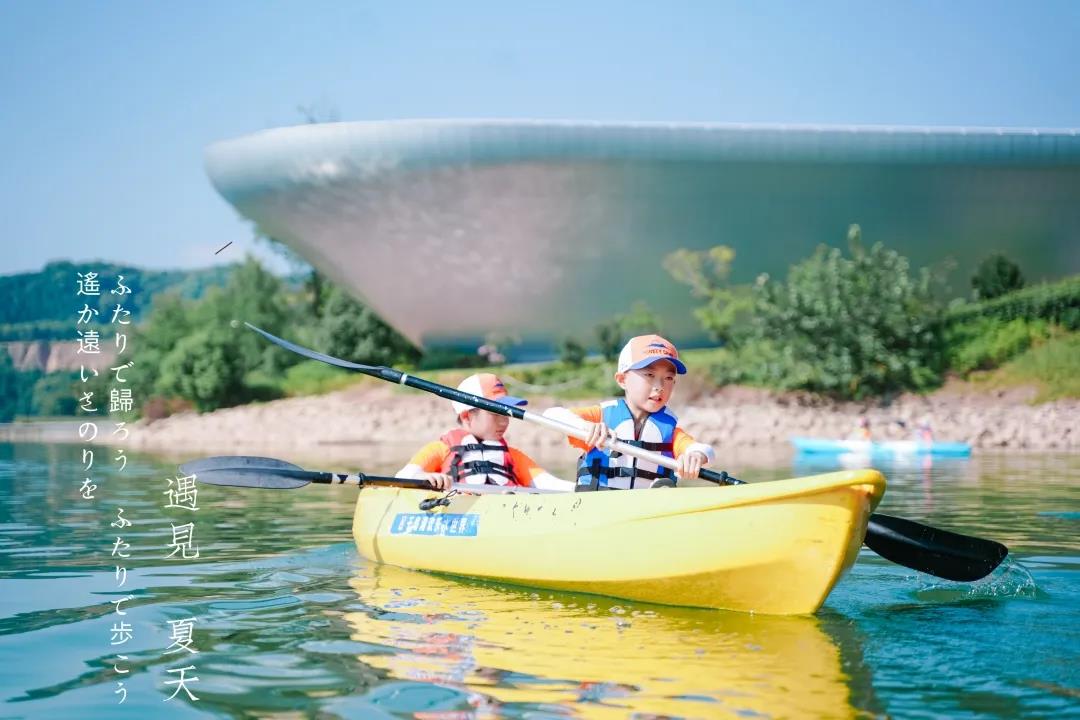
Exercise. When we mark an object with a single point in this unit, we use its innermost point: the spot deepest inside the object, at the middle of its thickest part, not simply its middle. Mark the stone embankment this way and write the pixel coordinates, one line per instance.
(382, 425)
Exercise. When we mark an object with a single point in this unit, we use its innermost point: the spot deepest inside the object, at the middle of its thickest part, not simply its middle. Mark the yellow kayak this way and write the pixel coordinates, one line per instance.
(776, 547)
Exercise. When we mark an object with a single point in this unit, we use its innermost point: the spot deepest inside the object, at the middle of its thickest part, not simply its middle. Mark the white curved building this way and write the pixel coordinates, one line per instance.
(453, 229)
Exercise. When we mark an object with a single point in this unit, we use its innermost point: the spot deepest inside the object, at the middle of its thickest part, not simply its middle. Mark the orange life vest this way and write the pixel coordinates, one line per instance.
(477, 462)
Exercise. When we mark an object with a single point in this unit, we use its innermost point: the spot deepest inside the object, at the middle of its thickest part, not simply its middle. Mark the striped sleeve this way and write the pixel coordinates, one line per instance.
(684, 442)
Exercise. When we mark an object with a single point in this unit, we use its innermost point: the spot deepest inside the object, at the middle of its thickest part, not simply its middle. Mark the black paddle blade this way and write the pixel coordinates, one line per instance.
(253, 477)
(312, 354)
(222, 462)
(931, 550)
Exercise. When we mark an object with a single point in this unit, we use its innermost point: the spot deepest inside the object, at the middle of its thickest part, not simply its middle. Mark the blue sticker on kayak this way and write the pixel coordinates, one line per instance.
(452, 524)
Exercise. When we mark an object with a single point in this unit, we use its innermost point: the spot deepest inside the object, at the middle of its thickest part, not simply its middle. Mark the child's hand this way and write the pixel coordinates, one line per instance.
(598, 435)
(439, 481)
(690, 464)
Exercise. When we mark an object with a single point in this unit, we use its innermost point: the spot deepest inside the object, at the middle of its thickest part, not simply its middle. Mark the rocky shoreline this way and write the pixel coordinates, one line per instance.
(382, 425)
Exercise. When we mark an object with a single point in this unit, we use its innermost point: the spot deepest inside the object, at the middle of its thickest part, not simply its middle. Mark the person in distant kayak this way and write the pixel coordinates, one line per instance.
(861, 431)
(475, 452)
(647, 369)
(923, 432)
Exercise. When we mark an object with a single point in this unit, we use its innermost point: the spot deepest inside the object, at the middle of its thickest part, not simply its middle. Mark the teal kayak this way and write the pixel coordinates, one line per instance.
(826, 446)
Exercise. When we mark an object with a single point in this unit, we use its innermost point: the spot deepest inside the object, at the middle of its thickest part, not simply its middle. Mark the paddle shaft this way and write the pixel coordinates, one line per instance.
(325, 478)
(449, 393)
(720, 478)
(455, 395)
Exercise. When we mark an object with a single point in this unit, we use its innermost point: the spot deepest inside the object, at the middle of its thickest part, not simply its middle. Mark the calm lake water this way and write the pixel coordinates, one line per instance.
(291, 623)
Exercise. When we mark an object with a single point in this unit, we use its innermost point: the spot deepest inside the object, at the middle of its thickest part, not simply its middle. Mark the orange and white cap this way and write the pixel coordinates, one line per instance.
(486, 385)
(644, 350)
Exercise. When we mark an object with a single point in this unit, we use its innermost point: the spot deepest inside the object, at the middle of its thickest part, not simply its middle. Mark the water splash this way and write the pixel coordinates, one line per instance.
(1009, 580)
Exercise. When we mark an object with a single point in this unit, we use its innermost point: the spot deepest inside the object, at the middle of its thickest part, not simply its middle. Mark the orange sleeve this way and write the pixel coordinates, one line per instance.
(589, 413)
(525, 468)
(430, 458)
(681, 440)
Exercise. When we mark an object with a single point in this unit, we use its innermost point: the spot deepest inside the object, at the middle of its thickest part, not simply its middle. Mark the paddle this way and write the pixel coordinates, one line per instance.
(268, 473)
(271, 474)
(920, 547)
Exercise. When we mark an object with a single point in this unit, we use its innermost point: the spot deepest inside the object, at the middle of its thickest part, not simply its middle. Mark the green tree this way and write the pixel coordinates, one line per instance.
(572, 352)
(9, 386)
(639, 320)
(207, 368)
(56, 394)
(848, 326)
(707, 274)
(171, 319)
(350, 330)
(256, 296)
(177, 330)
(609, 335)
(996, 275)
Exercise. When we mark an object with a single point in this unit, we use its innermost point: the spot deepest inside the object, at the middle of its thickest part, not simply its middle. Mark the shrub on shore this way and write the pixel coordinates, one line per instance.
(997, 275)
(845, 325)
(985, 343)
(1053, 366)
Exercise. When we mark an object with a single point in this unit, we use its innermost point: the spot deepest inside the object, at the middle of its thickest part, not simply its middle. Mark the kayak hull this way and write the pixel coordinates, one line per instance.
(776, 548)
(810, 445)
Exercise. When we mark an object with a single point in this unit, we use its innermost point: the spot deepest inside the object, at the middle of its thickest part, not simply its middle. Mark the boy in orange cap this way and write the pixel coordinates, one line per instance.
(647, 369)
(475, 452)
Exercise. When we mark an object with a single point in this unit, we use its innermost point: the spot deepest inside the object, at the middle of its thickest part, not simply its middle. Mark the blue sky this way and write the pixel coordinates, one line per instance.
(106, 106)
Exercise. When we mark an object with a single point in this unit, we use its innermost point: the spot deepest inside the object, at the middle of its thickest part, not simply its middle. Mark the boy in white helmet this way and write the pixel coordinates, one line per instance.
(647, 370)
(475, 452)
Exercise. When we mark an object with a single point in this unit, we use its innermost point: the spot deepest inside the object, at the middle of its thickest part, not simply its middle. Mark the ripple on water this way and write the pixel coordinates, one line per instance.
(262, 604)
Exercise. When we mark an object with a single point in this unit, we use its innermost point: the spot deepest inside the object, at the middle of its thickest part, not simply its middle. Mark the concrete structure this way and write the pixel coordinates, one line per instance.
(454, 229)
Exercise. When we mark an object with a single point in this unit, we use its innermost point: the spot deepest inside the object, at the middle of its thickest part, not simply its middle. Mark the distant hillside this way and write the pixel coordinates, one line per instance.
(43, 305)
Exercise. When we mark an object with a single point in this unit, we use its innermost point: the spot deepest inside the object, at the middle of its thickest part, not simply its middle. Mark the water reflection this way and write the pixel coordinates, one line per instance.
(513, 647)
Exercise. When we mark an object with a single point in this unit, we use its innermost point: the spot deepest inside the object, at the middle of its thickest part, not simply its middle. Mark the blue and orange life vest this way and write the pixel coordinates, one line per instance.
(477, 462)
(601, 469)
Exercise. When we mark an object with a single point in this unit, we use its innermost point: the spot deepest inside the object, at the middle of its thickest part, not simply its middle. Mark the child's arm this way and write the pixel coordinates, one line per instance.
(589, 419)
(692, 455)
(427, 464)
(529, 474)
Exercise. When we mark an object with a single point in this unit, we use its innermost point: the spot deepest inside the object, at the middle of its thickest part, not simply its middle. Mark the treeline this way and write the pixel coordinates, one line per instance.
(191, 349)
(33, 392)
(41, 305)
